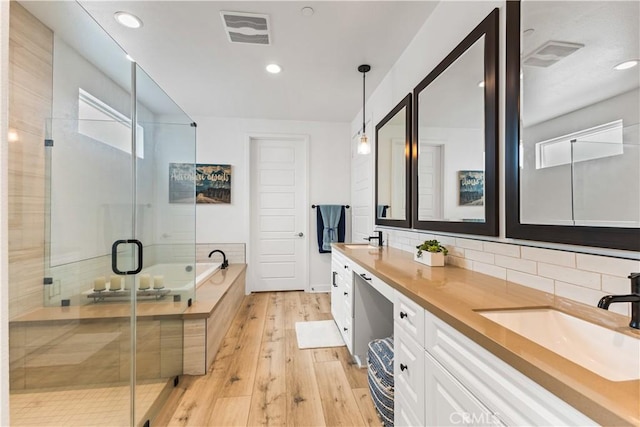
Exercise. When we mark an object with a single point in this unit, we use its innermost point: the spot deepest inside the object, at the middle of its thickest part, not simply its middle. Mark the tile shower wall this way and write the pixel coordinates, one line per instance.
(30, 97)
(580, 277)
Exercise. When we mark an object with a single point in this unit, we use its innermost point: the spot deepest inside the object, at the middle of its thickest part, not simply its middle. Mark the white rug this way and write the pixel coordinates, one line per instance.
(317, 334)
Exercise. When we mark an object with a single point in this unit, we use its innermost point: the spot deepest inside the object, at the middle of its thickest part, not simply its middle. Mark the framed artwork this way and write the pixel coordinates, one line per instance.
(471, 188)
(212, 183)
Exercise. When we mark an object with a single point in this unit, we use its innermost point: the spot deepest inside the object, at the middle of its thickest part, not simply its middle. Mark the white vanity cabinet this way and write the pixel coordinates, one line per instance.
(441, 377)
(342, 296)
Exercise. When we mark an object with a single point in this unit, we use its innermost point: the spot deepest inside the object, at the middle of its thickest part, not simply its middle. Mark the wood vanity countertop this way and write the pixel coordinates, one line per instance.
(207, 297)
(455, 295)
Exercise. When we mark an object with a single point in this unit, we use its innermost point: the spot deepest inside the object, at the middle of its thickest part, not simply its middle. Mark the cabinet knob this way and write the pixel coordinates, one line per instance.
(345, 329)
(403, 315)
(364, 276)
(346, 266)
(403, 367)
(346, 293)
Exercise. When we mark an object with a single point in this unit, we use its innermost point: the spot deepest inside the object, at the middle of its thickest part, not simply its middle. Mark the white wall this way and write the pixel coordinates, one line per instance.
(4, 231)
(558, 269)
(224, 141)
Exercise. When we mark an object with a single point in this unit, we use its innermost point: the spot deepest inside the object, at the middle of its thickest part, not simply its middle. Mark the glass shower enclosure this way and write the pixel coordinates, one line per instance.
(119, 236)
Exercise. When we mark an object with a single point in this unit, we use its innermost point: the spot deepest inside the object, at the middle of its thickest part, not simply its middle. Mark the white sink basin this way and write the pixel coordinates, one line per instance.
(360, 246)
(608, 353)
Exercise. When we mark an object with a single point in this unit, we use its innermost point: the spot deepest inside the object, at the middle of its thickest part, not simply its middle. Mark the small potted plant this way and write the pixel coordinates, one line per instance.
(431, 253)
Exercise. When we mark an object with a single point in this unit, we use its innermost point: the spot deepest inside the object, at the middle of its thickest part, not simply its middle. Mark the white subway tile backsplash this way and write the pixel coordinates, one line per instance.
(607, 265)
(587, 296)
(459, 262)
(615, 285)
(531, 280)
(446, 240)
(476, 245)
(518, 264)
(490, 270)
(502, 249)
(571, 275)
(484, 257)
(567, 259)
(455, 251)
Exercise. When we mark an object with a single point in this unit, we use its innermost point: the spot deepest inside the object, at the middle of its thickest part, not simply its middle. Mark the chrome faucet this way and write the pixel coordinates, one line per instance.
(225, 263)
(633, 298)
(378, 237)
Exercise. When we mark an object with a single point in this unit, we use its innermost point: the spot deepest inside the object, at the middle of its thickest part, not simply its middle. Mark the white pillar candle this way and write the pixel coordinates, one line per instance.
(145, 281)
(158, 282)
(115, 283)
(99, 283)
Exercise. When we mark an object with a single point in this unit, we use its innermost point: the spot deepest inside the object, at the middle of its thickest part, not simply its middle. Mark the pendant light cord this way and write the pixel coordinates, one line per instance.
(364, 124)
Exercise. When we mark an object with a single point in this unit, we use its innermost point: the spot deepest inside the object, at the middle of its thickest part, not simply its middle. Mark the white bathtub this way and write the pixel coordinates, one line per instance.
(180, 277)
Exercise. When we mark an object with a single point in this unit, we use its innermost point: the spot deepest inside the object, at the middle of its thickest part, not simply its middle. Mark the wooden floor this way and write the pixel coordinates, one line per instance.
(260, 377)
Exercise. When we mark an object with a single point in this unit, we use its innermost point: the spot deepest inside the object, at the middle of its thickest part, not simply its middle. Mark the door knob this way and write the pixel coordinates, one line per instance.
(300, 234)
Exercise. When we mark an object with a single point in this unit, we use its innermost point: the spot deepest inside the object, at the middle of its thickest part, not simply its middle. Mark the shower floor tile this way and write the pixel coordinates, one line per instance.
(95, 406)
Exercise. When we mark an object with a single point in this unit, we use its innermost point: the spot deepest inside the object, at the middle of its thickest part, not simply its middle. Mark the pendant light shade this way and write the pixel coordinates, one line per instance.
(363, 146)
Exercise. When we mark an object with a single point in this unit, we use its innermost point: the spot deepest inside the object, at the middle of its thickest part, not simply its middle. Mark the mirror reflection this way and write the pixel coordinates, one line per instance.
(451, 141)
(392, 168)
(580, 104)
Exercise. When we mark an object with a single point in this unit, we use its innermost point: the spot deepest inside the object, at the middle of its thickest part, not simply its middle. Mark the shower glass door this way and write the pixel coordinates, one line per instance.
(165, 210)
(103, 343)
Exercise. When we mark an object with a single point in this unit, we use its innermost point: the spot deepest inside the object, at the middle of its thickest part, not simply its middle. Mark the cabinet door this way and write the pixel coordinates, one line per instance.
(449, 403)
(408, 371)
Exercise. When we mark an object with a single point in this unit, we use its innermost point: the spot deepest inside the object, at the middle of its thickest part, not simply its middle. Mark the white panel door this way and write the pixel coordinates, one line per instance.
(430, 182)
(278, 226)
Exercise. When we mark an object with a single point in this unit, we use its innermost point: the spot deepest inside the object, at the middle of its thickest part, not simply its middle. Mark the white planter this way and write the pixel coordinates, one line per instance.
(433, 259)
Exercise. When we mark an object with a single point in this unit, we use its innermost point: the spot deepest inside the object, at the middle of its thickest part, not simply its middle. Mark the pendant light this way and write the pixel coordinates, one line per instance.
(363, 146)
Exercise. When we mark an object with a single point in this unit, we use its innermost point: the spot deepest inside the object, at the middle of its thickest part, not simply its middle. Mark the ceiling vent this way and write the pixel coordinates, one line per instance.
(550, 53)
(250, 28)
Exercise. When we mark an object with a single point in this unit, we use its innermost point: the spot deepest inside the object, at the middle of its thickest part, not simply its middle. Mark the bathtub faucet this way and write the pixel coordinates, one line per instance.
(225, 263)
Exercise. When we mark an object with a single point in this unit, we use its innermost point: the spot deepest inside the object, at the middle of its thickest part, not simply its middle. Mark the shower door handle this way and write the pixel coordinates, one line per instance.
(114, 257)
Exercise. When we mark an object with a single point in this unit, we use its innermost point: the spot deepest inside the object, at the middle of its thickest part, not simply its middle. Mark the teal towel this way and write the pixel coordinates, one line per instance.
(331, 219)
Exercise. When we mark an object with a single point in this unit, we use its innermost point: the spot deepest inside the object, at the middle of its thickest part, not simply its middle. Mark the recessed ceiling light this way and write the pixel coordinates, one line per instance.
(274, 68)
(307, 11)
(481, 83)
(128, 20)
(626, 65)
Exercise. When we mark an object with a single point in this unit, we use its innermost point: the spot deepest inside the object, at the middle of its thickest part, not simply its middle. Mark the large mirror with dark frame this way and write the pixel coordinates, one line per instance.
(455, 138)
(573, 123)
(393, 166)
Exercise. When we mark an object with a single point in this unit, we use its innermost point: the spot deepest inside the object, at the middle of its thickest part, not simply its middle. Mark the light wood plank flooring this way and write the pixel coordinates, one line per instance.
(261, 378)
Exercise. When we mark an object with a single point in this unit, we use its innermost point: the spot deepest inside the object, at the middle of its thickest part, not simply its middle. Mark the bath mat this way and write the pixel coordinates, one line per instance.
(317, 334)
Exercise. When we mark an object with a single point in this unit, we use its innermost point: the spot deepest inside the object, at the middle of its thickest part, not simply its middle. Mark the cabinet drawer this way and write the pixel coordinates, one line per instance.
(513, 397)
(377, 284)
(409, 316)
(449, 403)
(408, 372)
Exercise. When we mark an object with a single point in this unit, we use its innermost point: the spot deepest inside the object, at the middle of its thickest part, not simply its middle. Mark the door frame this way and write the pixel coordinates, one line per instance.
(249, 139)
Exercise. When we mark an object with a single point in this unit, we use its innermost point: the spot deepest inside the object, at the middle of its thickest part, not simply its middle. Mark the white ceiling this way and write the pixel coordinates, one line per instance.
(183, 46)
